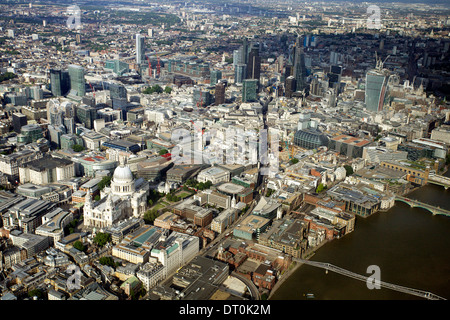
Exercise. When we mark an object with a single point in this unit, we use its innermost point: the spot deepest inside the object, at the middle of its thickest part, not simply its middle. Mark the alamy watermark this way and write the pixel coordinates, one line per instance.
(74, 281)
(374, 20)
(233, 145)
(374, 281)
(74, 20)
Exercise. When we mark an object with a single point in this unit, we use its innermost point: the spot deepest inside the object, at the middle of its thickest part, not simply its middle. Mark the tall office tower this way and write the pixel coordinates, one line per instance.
(215, 76)
(299, 66)
(220, 93)
(140, 49)
(237, 57)
(77, 81)
(315, 87)
(69, 124)
(86, 115)
(289, 86)
(59, 82)
(244, 51)
(118, 94)
(249, 90)
(240, 72)
(334, 77)
(202, 98)
(254, 64)
(19, 120)
(376, 89)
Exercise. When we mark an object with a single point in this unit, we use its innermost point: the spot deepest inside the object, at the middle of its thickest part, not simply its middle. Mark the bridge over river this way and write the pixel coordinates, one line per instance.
(417, 204)
(330, 267)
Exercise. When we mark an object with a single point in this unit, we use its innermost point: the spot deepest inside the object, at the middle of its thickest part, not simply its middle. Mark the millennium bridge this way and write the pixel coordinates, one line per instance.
(330, 267)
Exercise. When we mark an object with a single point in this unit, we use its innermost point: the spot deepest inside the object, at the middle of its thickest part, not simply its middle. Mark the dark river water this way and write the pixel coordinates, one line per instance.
(409, 245)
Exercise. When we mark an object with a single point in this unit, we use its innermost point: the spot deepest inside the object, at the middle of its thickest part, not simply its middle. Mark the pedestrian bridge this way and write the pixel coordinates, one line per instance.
(415, 292)
(417, 204)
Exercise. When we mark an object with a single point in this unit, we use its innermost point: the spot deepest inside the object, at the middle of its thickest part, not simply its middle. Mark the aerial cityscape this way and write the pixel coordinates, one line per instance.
(234, 151)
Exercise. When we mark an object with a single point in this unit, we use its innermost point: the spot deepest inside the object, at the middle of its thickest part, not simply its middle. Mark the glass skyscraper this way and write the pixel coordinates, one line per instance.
(249, 90)
(254, 64)
(140, 49)
(299, 66)
(215, 76)
(60, 82)
(77, 81)
(376, 90)
(240, 72)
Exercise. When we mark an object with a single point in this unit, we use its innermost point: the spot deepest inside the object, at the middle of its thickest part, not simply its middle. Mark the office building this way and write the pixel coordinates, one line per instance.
(202, 98)
(224, 219)
(290, 85)
(376, 94)
(118, 95)
(215, 76)
(308, 135)
(349, 146)
(140, 49)
(250, 90)
(46, 170)
(299, 68)
(240, 73)
(219, 93)
(77, 81)
(117, 66)
(31, 243)
(26, 214)
(254, 64)
(19, 120)
(60, 82)
(30, 133)
(86, 115)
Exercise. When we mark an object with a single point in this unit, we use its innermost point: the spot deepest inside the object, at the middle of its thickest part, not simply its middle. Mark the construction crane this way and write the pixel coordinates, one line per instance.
(92, 88)
(158, 68)
(149, 67)
(199, 129)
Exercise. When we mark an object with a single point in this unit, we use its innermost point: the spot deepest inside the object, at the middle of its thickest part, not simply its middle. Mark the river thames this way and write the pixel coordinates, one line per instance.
(409, 245)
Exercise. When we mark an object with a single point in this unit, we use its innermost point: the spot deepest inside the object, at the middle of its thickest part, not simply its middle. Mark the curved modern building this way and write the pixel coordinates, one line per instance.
(310, 138)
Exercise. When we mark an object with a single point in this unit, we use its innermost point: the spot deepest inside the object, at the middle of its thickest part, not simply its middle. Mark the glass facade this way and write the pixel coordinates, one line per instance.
(376, 91)
(249, 90)
(140, 49)
(77, 82)
(310, 138)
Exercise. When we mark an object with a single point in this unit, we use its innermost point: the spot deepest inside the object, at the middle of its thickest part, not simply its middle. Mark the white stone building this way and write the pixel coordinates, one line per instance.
(125, 197)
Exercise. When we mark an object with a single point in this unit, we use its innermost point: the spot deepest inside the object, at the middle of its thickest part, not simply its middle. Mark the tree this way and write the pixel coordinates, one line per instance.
(348, 170)
(150, 216)
(77, 148)
(101, 239)
(294, 161)
(36, 293)
(97, 197)
(105, 182)
(154, 89)
(163, 151)
(107, 261)
(79, 246)
(168, 90)
(321, 188)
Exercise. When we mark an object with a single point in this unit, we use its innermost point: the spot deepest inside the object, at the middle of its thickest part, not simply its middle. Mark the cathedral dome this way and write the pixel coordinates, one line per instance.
(123, 174)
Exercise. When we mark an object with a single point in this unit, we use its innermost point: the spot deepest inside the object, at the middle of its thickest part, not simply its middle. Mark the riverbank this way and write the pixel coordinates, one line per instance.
(286, 275)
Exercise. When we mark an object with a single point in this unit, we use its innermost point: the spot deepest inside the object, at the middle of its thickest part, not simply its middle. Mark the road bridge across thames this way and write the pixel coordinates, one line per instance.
(417, 204)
